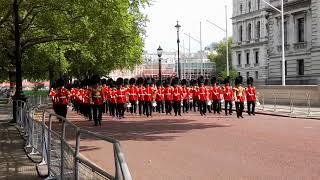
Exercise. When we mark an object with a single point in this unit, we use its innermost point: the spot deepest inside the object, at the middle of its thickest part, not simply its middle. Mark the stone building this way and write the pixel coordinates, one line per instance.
(302, 39)
(249, 55)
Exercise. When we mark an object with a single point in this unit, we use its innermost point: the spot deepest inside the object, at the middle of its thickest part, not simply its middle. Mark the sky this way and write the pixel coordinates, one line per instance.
(163, 16)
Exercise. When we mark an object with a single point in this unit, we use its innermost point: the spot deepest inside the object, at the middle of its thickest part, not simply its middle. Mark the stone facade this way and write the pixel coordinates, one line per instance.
(249, 55)
(302, 40)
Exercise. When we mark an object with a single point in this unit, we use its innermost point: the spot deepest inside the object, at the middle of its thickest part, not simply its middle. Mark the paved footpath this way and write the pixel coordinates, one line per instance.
(14, 164)
(219, 147)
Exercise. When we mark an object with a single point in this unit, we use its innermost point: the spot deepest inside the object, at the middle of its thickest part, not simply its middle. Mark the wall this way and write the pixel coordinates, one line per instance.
(282, 93)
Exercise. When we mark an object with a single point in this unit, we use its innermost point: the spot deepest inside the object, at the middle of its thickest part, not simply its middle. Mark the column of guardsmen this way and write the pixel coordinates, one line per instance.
(93, 97)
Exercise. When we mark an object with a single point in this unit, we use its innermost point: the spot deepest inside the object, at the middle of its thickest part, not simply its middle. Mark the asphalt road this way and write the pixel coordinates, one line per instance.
(192, 147)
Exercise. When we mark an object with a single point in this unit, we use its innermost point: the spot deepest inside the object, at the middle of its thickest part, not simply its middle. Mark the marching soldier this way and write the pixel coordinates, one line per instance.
(148, 98)
(251, 96)
(168, 96)
(195, 95)
(228, 96)
(239, 96)
(160, 97)
(177, 97)
(202, 96)
(97, 99)
(215, 95)
(141, 96)
(53, 95)
(62, 99)
(133, 95)
(105, 91)
(209, 101)
(186, 96)
(121, 95)
(112, 99)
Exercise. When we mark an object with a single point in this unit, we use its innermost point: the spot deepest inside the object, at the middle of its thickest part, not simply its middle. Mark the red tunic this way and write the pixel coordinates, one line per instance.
(148, 93)
(86, 96)
(215, 93)
(203, 94)
(168, 96)
(251, 93)
(160, 94)
(112, 96)
(239, 94)
(186, 93)
(227, 93)
(121, 95)
(133, 93)
(177, 93)
(62, 96)
(97, 96)
(141, 93)
(105, 92)
(195, 94)
(73, 93)
(53, 95)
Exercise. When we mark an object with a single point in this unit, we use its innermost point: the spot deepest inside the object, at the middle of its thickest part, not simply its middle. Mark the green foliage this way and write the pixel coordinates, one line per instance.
(220, 58)
(86, 36)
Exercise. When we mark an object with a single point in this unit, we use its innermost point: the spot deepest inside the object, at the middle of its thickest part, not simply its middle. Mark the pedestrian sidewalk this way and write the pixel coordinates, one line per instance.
(14, 163)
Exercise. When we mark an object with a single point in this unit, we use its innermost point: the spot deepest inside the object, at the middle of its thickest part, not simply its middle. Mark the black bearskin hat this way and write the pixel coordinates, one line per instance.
(238, 80)
(159, 83)
(95, 79)
(200, 80)
(126, 81)
(213, 80)
(59, 83)
(184, 82)
(227, 80)
(103, 81)
(119, 81)
(140, 81)
(206, 82)
(250, 80)
(112, 84)
(132, 81)
(175, 82)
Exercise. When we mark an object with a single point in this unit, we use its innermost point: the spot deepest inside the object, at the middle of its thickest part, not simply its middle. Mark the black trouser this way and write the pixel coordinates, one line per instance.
(61, 110)
(87, 111)
(215, 106)
(141, 107)
(97, 113)
(133, 108)
(168, 105)
(219, 106)
(105, 107)
(239, 108)
(120, 109)
(177, 107)
(209, 107)
(186, 105)
(249, 104)
(160, 107)
(148, 108)
(203, 107)
(112, 109)
(195, 105)
(226, 107)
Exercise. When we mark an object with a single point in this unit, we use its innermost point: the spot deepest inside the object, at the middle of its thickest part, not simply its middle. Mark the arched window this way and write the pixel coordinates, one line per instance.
(249, 31)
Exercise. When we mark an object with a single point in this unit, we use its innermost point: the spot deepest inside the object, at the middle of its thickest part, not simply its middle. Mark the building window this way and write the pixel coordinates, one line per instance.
(301, 30)
(258, 4)
(248, 58)
(258, 30)
(248, 75)
(257, 75)
(286, 32)
(286, 68)
(249, 6)
(239, 59)
(257, 57)
(249, 32)
(300, 67)
(240, 34)
(240, 8)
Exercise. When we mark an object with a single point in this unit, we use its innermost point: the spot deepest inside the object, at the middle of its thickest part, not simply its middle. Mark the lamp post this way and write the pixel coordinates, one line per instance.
(178, 42)
(282, 34)
(159, 51)
(226, 31)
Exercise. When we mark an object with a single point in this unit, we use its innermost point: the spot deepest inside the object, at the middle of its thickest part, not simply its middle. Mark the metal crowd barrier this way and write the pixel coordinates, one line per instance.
(59, 158)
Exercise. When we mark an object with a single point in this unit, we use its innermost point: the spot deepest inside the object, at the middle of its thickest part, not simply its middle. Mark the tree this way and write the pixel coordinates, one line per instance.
(220, 59)
(106, 35)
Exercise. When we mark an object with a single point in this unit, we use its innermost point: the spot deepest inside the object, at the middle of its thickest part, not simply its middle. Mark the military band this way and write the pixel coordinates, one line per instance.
(144, 96)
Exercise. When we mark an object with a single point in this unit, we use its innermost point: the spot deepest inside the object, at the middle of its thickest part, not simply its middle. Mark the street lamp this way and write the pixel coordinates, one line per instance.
(178, 42)
(226, 31)
(159, 51)
(282, 34)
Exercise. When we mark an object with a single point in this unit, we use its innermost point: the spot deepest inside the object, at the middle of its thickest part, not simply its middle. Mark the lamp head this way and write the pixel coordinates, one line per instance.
(159, 51)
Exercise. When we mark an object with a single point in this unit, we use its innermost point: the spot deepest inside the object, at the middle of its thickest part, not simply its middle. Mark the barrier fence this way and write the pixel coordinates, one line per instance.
(56, 146)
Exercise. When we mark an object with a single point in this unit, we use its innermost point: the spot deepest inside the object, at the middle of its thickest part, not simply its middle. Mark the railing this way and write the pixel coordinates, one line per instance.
(50, 144)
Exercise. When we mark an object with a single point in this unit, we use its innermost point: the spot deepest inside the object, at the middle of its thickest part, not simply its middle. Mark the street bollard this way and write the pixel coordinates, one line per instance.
(309, 104)
(275, 102)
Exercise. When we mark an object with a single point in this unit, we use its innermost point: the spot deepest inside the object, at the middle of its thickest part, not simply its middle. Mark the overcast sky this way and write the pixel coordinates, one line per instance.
(163, 14)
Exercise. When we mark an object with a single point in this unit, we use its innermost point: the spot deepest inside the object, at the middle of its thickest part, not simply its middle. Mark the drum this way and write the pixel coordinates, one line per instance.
(209, 103)
(154, 104)
(129, 105)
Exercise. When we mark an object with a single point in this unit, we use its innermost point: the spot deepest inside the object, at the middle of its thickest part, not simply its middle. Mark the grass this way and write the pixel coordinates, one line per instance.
(35, 93)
